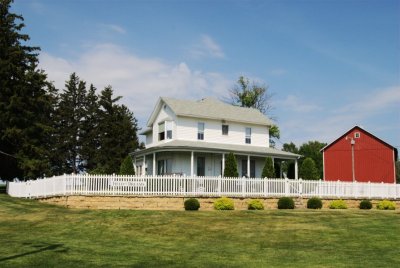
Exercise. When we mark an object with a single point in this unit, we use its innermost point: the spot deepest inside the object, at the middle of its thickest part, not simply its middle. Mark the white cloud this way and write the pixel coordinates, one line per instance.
(207, 47)
(297, 105)
(327, 125)
(277, 72)
(139, 80)
(114, 28)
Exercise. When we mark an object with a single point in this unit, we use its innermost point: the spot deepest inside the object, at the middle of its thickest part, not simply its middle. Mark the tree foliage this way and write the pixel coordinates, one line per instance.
(126, 167)
(308, 170)
(231, 166)
(312, 149)
(398, 172)
(253, 95)
(268, 170)
(25, 103)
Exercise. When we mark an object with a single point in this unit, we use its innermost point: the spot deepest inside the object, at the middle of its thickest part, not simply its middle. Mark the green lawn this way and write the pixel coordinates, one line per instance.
(39, 235)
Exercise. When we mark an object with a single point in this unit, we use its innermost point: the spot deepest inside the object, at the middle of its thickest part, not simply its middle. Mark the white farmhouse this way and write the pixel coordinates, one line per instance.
(193, 138)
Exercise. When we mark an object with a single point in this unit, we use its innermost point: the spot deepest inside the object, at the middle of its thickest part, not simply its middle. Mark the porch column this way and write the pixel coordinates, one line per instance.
(191, 163)
(296, 170)
(248, 166)
(280, 169)
(273, 164)
(223, 165)
(144, 165)
(154, 164)
(134, 166)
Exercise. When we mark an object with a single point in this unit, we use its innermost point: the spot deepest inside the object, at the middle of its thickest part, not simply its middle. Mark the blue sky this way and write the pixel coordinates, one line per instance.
(330, 64)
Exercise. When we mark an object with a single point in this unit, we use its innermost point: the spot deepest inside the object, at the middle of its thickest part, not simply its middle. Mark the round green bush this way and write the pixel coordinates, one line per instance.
(255, 205)
(338, 204)
(314, 203)
(192, 204)
(285, 203)
(224, 203)
(365, 204)
(386, 205)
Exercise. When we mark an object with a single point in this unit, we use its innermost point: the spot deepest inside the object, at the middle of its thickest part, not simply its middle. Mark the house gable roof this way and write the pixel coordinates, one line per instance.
(365, 132)
(210, 108)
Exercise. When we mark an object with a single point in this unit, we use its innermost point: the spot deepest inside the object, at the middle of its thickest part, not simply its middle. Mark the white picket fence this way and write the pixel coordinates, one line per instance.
(108, 185)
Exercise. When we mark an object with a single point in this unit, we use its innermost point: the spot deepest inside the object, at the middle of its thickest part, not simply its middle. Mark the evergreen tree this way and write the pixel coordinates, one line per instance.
(118, 132)
(25, 103)
(90, 130)
(312, 149)
(268, 170)
(308, 170)
(126, 167)
(70, 129)
(231, 166)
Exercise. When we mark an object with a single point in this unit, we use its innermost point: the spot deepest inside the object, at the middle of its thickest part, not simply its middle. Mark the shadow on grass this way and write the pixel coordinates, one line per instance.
(40, 248)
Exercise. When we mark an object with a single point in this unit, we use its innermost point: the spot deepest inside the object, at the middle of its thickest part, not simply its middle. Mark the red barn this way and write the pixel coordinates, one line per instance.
(359, 156)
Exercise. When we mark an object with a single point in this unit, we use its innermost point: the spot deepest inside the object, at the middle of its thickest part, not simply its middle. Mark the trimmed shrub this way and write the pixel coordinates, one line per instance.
(338, 204)
(285, 203)
(314, 203)
(365, 204)
(386, 205)
(224, 203)
(268, 170)
(192, 204)
(255, 204)
(231, 166)
(126, 167)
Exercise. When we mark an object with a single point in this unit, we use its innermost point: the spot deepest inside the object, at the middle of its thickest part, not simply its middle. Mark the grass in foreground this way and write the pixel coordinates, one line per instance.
(39, 235)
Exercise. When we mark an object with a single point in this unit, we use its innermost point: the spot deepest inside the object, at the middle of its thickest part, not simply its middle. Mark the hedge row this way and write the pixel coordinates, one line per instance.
(225, 203)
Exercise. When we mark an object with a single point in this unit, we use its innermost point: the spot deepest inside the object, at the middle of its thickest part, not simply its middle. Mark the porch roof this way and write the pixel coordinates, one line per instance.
(201, 146)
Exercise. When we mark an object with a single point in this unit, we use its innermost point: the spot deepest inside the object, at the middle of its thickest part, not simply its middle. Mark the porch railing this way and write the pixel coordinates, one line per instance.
(109, 185)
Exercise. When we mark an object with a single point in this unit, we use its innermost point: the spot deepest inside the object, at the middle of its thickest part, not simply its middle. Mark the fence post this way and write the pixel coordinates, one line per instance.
(219, 185)
(265, 187)
(286, 187)
(355, 189)
(243, 186)
(301, 187)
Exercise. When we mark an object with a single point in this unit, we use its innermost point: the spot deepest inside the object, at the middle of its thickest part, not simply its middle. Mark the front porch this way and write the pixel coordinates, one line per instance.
(203, 163)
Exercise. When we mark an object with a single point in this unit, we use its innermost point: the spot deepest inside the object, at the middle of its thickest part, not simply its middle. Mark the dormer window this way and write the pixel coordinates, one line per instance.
(248, 135)
(161, 131)
(200, 131)
(165, 130)
(225, 129)
(168, 128)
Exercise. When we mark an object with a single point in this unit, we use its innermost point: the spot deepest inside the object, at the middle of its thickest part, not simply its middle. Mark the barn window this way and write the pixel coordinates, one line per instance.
(357, 135)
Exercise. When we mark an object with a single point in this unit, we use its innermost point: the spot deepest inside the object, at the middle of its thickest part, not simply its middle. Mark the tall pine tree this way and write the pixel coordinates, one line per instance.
(118, 133)
(70, 129)
(25, 103)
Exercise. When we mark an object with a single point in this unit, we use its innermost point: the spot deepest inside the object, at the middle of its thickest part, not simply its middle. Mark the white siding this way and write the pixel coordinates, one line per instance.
(163, 115)
(149, 138)
(187, 130)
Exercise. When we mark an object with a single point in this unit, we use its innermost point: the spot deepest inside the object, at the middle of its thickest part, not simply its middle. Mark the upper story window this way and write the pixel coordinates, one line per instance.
(200, 131)
(165, 130)
(168, 128)
(161, 131)
(248, 135)
(357, 135)
(225, 129)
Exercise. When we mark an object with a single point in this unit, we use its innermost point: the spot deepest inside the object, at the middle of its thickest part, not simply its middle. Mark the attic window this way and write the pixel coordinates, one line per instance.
(357, 135)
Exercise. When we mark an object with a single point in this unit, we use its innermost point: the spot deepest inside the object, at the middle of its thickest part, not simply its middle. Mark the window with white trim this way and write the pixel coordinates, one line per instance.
(200, 131)
(357, 135)
(168, 128)
(161, 131)
(248, 135)
(225, 129)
